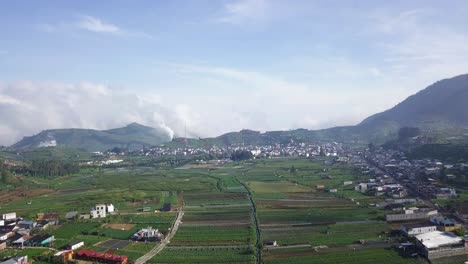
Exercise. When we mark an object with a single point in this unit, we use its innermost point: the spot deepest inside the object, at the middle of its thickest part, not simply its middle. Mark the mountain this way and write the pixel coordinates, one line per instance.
(440, 110)
(132, 136)
(442, 104)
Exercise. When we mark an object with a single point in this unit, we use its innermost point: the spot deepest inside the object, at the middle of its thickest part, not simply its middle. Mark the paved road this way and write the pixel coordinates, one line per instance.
(164, 242)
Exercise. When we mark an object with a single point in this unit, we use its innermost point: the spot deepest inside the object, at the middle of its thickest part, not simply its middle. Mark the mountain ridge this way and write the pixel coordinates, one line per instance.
(439, 108)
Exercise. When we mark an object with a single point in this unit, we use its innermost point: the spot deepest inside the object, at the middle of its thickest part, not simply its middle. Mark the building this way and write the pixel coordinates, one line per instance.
(148, 234)
(9, 216)
(462, 213)
(438, 244)
(3, 245)
(320, 186)
(71, 215)
(27, 224)
(74, 245)
(333, 190)
(411, 214)
(90, 255)
(99, 211)
(413, 229)
(40, 240)
(445, 224)
(64, 256)
(16, 260)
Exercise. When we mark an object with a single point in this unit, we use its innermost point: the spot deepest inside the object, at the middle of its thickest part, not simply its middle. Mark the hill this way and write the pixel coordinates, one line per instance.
(440, 111)
(133, 136)
(439, 106)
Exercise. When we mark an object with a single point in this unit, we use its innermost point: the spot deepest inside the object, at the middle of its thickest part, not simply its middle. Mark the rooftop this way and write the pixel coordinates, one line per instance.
(436, 239)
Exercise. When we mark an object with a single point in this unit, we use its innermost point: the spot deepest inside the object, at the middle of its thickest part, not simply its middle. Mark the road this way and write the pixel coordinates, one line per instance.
(164, 242)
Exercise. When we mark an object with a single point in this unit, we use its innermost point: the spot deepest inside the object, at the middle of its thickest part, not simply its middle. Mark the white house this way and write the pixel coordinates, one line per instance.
(413, 229)
(110, 208)
(2, 222)
(9, 216)
(99, 211)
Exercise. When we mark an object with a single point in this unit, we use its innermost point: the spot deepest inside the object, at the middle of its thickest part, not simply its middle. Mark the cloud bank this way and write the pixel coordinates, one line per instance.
(29, 107)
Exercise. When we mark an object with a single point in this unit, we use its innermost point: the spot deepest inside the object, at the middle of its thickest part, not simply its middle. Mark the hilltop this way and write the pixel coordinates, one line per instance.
(132, 136)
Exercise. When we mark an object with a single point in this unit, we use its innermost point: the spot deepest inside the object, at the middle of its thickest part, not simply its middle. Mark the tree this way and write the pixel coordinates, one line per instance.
(7, 176)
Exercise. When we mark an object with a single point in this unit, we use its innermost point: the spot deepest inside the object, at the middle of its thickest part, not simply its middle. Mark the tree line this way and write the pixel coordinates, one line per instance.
(53, 168)
(6, 176)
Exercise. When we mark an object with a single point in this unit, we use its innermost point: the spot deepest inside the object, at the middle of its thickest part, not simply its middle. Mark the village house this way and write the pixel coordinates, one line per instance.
(9, 216)
(40, 240)
(90, 255)
(147, 234)
(64, 256)
(439, 244)
(17, 260)
(101, 210)
(445, 224)
(413, 229)
(74, 245)
(3, 245)
(71, 215)
(409, 214)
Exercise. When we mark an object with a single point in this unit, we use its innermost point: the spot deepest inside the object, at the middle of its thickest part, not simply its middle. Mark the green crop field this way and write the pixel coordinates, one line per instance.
(217, 225)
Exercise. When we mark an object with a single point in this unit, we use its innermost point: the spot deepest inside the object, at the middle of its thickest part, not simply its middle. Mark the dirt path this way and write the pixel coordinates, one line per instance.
(164, 242)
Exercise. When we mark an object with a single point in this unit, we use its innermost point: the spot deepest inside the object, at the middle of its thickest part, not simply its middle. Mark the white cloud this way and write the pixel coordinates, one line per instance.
(93, 25)
(29, 107)
(96, 25)
(241, 11)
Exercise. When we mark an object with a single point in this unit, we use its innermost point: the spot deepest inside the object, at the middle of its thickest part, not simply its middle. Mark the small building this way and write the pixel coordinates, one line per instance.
(147, 234)
(333, 190)
(74, 245)
(3, 245)
(99, 211)
(438, 244)
(27, 224)
(20, 240)
(270, 243)
(64, 256)
(445, 224)
(320, 186)
(411, 214)
(71, 215)
(2, 222)
(413, 229)
(40, 240)
(9, 216)
(90, 255)
(16, 260)
(345, 183)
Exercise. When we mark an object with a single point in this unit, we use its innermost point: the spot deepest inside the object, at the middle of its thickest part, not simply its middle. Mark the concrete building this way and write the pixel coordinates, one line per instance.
(9, 216)
(16, 260)
(445, 224)
(439, 244)
(148, 234)
(99, 211)
(413, 229)
(411, 214)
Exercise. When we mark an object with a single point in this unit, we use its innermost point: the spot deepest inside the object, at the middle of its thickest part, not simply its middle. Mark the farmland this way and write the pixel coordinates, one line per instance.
(217, 224)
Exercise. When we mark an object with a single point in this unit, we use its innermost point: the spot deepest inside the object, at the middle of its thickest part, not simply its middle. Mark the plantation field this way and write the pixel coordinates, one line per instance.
(218, 204)
(330, 235)
(213, 235)
(337, 255)
(207, 255)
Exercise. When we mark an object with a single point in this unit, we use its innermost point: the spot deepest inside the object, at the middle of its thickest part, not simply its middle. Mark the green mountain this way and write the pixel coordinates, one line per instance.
(440, 110)
(133, 136)
(439, 106)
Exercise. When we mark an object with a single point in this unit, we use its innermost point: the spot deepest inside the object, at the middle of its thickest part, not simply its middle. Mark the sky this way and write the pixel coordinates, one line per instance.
(209, 67)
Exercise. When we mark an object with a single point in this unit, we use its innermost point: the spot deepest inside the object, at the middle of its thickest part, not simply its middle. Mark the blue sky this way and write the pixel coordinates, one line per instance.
(219, 66)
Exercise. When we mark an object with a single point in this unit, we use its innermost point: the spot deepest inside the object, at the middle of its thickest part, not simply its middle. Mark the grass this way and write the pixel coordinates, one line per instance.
(207, 255)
